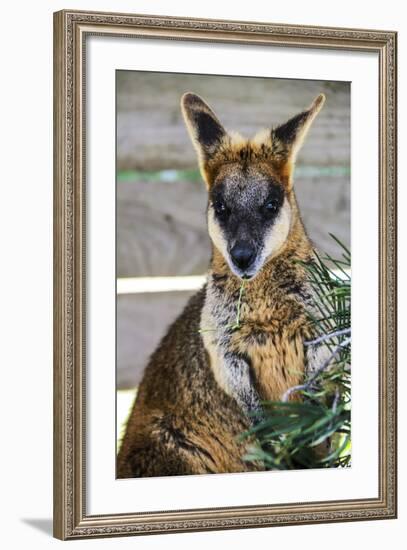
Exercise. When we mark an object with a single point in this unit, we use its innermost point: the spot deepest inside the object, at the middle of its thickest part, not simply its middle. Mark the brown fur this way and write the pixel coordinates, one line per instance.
(182, 422)
(274, 323)
(186, 418)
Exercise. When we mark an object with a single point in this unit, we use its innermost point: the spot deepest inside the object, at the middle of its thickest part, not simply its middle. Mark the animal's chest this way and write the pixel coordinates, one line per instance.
(269, 339)
(275, 353)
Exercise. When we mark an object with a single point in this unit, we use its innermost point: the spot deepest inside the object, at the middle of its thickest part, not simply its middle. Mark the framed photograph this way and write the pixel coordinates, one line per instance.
(225, 274)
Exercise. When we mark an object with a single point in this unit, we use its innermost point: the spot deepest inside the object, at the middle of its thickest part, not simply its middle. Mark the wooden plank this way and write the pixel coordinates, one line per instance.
(162, 226)
(142, 320)
(151, 134)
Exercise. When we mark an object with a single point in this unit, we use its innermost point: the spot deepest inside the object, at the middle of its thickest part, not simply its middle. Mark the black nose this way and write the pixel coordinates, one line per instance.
(242, 254)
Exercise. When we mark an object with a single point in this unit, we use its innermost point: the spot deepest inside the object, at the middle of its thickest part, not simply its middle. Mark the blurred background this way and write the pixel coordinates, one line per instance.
(163, 248)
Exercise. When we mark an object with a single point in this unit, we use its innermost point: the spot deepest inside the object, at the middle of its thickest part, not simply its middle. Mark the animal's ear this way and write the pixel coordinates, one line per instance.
(204, 128)
(288, 138)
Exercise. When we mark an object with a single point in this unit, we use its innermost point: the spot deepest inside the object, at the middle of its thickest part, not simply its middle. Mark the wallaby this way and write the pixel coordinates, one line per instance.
(204, 384)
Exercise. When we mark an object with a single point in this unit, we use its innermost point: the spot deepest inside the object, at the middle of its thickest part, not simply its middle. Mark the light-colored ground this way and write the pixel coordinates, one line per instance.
(124, 404)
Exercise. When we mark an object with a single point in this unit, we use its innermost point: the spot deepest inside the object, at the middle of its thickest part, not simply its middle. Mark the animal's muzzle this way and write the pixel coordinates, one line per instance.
(242, 254)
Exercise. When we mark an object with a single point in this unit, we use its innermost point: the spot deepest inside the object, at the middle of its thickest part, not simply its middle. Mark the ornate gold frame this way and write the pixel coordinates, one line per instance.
(70, 31)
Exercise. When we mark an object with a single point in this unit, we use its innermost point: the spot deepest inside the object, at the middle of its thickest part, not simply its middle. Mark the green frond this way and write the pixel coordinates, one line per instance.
(291, 434)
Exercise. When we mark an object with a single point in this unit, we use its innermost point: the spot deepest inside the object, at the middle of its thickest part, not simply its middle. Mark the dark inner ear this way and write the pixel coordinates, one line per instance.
(287, 132)
(209, 131)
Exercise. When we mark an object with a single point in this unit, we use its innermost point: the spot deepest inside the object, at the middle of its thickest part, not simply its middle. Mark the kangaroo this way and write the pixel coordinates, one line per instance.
(204, 384)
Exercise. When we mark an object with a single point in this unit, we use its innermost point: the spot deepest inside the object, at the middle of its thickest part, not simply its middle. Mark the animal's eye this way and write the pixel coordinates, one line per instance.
(271, 206)
(220, 208)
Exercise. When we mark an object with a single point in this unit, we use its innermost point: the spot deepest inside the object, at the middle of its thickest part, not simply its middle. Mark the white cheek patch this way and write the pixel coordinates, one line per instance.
(278, 233)
(216, 234)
